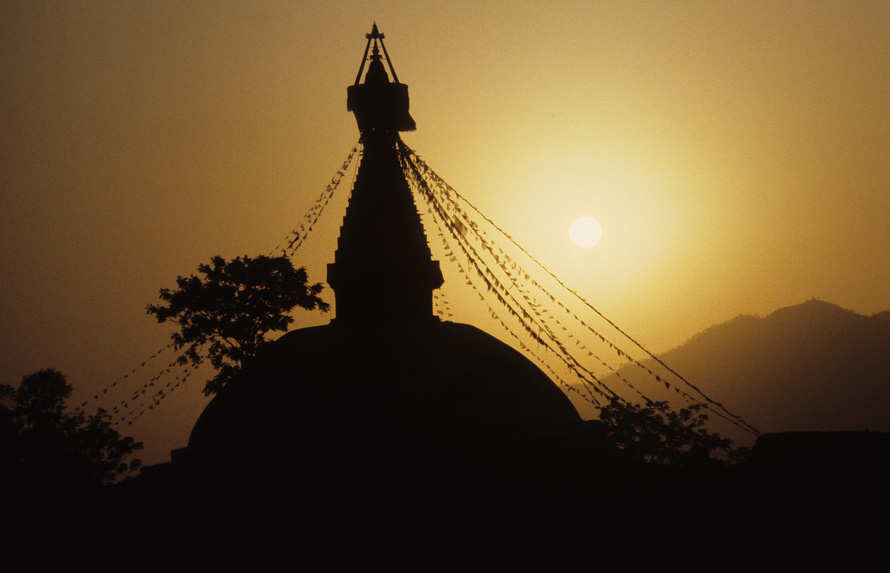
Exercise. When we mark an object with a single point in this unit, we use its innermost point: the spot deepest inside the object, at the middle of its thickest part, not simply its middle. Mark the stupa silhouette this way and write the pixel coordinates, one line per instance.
(403, 433)
(385, 377)
(390, 440)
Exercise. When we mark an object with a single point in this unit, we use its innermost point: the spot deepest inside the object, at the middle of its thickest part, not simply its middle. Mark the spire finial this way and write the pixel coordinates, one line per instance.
(374, 35)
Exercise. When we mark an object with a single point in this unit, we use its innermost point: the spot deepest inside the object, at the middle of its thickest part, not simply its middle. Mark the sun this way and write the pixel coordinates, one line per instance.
(585, 232)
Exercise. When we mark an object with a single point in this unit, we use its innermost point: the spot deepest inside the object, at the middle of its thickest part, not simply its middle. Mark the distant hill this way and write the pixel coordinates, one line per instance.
(814, 366)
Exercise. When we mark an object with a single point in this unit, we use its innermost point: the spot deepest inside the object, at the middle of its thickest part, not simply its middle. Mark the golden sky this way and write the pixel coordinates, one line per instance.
(737, 154)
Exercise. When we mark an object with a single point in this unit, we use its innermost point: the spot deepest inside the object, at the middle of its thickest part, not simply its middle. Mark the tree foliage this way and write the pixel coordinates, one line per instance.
(42, 442)
(228, 309)
(659, 434)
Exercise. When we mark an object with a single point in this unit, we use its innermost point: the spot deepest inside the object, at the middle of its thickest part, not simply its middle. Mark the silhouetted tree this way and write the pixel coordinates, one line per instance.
(659, 434)
(42, 443)
(228, 310)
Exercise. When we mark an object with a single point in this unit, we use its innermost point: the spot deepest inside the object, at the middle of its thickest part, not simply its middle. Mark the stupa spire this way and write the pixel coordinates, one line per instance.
(383, 269)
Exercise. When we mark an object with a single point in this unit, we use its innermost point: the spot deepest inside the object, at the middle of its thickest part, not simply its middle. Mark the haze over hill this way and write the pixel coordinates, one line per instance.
(813, 366)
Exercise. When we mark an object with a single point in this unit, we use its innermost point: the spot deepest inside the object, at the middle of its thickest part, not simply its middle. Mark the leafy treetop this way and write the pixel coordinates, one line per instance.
(41, 442)
(656, 433)
(228, 310)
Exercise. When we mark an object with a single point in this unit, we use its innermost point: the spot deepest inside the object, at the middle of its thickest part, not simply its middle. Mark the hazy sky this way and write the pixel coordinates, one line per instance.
(737, 154)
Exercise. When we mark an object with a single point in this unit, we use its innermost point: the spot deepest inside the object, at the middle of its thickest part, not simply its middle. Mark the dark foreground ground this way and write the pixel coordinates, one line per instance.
(801, 500)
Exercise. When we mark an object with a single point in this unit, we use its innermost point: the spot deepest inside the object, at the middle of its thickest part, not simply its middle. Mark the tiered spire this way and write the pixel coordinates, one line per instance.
(383, 268)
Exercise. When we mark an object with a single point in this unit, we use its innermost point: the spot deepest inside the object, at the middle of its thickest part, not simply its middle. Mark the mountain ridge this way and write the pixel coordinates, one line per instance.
(814, 366)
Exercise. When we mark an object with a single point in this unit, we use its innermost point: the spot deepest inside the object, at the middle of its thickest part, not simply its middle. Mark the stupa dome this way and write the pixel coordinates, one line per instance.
(385, 389)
